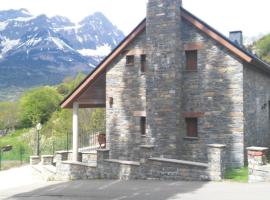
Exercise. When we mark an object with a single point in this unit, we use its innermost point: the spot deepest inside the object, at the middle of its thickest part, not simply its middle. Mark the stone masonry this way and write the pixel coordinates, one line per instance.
(148, 167)
(166, 92)
(164, 77)
(258, 167)
(227, 95)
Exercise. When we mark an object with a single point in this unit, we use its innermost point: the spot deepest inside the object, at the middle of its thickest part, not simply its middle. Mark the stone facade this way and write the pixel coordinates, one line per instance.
(256, 107)
(166, 91)
(126, 85)
(216, 91)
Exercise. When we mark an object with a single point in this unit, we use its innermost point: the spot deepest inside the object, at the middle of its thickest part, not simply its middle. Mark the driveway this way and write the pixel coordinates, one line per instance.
(121, 190)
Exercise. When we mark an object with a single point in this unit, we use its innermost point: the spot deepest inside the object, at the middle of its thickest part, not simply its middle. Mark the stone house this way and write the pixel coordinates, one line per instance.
(173, 86)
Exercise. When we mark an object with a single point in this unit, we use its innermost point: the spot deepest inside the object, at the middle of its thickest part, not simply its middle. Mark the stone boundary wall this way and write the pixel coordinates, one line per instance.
(148, 167)
(258, 167)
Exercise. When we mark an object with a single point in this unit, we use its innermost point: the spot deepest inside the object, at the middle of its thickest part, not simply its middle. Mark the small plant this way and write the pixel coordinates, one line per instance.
(238, 175)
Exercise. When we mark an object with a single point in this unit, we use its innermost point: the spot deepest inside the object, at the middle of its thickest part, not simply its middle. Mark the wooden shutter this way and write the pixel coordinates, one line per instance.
(192, 127)
(191, 60)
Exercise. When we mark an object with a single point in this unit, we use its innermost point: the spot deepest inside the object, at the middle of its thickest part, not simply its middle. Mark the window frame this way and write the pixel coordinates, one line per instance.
(192, 130)
(143, 125)
(143, 63)
(130, 60)
(191, 58)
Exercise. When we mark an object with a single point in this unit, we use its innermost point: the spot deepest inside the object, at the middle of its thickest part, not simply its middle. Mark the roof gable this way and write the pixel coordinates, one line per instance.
(199, 24)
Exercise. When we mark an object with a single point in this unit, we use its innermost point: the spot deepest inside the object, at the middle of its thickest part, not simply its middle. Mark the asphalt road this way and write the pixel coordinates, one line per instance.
(146, 190)
(20, 184)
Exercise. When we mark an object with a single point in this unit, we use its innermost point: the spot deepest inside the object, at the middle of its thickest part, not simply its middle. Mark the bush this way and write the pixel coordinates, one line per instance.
(37, 105)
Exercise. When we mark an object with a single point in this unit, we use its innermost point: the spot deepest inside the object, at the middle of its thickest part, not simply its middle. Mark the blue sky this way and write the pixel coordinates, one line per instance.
(225, 15)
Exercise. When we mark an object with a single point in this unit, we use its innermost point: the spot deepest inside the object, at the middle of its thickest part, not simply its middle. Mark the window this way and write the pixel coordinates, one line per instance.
(143, 63)
(191, 60)
(143, 125)
(192, 127)
(130, 60)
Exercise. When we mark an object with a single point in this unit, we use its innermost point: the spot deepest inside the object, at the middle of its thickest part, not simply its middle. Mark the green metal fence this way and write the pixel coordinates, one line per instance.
(13, 156)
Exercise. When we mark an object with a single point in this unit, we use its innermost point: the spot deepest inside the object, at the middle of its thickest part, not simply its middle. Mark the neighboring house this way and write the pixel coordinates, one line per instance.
(176, 84)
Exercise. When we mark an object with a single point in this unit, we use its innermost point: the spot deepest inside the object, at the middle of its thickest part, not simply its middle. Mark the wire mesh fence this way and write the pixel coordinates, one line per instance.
(16, 156)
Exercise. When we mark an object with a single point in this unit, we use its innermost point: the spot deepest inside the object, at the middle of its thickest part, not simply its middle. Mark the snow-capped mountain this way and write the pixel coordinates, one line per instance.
(37, 50)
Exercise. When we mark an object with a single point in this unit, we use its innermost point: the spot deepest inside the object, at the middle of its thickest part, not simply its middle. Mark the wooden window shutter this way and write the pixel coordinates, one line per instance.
(192, 127)
(191, 60)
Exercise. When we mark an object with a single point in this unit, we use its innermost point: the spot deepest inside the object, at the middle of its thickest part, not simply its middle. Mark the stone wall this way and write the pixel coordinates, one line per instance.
(164, 77)
(256, 107)
(126, 85)
(215, 91)
(258, 167)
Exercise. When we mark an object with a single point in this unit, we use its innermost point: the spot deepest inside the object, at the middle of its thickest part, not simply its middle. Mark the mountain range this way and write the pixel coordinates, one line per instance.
(38, 50)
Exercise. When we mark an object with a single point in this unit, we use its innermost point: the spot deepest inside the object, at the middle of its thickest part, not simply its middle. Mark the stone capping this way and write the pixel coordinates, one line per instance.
(217, 145)
(191, 138)
(147, 146)
(63, 151)
(88, 152)
(47, 156)
(34, 157)
(183, 162)
(123, 162)
(257, 148)
(78, 163)
(103, 150)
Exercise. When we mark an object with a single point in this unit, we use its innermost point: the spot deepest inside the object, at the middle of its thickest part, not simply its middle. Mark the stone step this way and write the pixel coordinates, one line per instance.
(45, 172)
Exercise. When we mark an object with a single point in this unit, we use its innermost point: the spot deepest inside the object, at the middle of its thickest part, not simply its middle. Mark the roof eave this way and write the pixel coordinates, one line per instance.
(101, 68)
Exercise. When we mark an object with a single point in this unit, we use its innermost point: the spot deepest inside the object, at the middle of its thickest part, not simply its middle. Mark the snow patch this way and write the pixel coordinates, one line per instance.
(60, 43)
(33, 41)
(22, 19)
(3, 25)
(8, 44)
(99, 51)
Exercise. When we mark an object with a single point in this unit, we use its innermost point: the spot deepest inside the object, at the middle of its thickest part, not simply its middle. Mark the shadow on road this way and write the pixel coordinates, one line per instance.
(111, 189)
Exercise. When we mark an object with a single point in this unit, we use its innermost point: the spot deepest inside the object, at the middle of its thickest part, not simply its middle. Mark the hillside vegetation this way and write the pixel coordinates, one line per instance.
(262, 48)
(41, 105)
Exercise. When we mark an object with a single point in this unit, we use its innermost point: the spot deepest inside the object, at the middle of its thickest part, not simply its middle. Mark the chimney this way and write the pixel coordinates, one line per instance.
(236, 37)
(164, 76)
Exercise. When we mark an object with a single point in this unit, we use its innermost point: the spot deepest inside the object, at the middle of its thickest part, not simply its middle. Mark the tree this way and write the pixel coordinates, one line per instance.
(8, 115)
(262, 47)
(37, 105)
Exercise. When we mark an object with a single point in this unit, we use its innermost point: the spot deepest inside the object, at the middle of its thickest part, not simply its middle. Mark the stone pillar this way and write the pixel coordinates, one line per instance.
(47, 159)
(102, 154)
(34, 160)
(146, 152)
(258, 170)
(75, 126)
(257, 156)
(216, 161)
(164, 76)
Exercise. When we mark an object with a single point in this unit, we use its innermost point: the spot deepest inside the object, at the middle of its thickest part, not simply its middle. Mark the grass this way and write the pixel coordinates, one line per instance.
(11, 164)
(237, 175)
(20, 146)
